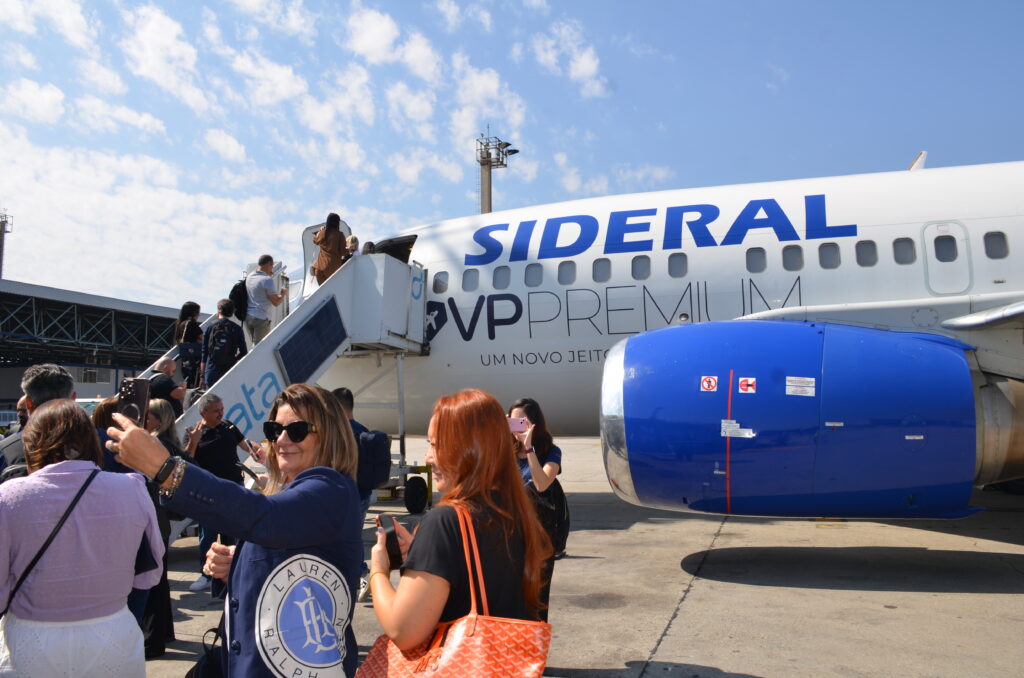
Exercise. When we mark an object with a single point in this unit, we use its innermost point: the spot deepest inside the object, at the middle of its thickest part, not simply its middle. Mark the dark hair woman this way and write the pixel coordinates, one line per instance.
(75, 598)
(189, 337)
(333, 252)
(295, 575)
(472, 458)
(540, 462)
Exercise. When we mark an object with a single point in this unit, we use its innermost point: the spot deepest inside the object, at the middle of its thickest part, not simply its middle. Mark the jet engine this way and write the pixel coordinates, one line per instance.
(778, 418)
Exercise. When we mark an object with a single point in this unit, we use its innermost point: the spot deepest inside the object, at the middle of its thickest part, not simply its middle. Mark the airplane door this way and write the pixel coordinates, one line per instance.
(947, 260)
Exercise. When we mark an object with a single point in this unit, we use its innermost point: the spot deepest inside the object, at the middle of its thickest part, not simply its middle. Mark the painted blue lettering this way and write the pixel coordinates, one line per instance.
(549, 247)
(494, 320)
(676, 216)
(467, 334)
(817, 222)
(619, 226)
(492, 248)
(270, 390)
(248, 393)
(748, 219)
(521, 245)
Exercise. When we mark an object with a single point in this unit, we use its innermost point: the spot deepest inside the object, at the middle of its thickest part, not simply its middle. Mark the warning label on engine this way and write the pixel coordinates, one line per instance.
(800, 386)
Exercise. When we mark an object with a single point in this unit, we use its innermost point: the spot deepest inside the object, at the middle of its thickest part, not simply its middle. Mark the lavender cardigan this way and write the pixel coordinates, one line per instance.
(89, 569)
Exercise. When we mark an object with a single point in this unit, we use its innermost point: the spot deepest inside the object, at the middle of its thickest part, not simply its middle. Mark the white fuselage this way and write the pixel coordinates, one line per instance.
(526, 302)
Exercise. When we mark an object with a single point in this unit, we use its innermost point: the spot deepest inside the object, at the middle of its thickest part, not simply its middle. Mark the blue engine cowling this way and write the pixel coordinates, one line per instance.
(790, 419)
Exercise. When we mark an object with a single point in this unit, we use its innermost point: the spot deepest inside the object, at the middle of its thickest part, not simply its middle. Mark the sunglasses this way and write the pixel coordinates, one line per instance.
(297, 430)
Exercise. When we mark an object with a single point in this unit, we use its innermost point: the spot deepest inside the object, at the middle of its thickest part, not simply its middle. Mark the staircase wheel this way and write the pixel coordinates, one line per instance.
(415, 494)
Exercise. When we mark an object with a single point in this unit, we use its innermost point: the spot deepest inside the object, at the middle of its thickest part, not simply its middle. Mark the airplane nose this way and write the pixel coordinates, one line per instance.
(613, 425)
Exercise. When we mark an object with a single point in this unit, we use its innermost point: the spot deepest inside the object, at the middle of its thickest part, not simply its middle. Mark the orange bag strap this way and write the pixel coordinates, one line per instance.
(466, 526)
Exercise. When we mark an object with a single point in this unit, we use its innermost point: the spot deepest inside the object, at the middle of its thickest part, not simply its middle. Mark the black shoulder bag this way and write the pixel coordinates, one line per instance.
(49, 540)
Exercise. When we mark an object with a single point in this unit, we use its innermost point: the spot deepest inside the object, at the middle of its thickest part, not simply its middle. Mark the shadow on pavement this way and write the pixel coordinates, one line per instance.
(646, 670)
(862, 568)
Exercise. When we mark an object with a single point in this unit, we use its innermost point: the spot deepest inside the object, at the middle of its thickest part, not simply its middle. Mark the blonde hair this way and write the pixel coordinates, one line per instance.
(352, 240)
(321, 409)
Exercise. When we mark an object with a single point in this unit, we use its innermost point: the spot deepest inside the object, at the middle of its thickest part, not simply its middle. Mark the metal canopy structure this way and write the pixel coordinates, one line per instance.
(45, 324)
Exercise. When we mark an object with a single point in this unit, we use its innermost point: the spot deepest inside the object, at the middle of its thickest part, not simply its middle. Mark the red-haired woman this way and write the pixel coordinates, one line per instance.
(473, 465)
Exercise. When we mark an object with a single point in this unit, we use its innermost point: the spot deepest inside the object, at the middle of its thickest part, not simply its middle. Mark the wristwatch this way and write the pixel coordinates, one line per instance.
(165, 470)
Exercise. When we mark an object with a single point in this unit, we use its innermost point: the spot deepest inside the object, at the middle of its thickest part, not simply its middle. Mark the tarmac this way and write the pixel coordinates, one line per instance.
(645, 592)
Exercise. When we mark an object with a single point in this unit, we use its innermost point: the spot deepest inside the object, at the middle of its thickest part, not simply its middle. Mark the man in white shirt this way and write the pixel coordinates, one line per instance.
(262, 295)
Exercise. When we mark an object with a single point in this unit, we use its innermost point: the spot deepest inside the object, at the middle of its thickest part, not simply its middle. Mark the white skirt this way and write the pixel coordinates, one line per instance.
(100, 648)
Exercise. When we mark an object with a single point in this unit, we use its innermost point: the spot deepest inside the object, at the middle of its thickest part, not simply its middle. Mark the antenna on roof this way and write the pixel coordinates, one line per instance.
(919, 161)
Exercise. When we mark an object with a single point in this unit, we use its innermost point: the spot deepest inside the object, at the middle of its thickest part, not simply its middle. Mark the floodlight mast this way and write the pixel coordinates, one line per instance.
(491, 152)
(6, 226)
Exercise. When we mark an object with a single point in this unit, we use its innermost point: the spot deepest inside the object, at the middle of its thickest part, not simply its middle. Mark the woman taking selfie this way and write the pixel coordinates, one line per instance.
(61, 620)
(472, 458)
(540, 462)
(292, 578)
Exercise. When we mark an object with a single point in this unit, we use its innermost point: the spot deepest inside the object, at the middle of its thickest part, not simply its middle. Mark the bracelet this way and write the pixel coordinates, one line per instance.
(531, 449)
(374, 574)
(176, 475)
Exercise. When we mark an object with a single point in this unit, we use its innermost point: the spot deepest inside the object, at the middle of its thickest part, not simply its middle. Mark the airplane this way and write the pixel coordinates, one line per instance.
(848, 346)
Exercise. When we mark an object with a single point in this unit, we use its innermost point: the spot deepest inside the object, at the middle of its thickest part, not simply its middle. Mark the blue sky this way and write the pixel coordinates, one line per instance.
(152, 150)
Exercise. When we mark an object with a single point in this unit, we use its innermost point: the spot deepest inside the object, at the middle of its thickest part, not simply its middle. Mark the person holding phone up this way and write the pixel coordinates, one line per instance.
(540, 462)
(291, 580)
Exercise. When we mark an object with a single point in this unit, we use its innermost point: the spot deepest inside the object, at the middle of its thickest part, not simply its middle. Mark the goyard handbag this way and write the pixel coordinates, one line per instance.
(474, 646)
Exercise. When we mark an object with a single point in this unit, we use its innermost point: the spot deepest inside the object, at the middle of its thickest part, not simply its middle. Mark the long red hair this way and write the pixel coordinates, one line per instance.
(473, 448)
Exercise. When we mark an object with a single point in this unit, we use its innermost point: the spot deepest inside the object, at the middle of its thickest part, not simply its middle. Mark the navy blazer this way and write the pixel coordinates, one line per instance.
(293, 581)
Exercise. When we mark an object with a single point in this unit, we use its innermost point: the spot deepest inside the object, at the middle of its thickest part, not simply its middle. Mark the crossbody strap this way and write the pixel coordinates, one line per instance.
(46, 544)
(469, 538)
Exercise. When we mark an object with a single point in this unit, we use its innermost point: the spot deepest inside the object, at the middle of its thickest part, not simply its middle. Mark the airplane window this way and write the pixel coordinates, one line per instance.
(867, 253)
(828, 255)
(995, 245)
(502, 277)
(566, 272)
(602, 270)
(903, 251)
(470, 279)
(440, 282)
(677, 264)
(534, 275)
(792, 257)
(945, 248)
(756, 260)
(641, 267)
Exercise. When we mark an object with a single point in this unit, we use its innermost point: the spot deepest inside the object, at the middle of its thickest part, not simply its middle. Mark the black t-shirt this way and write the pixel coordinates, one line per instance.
(160, 386)
(216, 451)
(191, 333)
(437, 549)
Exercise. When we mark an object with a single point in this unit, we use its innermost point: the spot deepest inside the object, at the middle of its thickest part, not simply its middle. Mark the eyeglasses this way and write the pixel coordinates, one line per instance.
(297, 430)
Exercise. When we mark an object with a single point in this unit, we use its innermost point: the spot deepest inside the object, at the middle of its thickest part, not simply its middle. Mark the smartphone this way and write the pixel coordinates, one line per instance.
(518, 424)
(133, 399)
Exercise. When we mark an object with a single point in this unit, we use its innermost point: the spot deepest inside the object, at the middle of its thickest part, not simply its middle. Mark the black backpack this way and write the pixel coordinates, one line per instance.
(239, 296)
(222, 346)
(374, 460)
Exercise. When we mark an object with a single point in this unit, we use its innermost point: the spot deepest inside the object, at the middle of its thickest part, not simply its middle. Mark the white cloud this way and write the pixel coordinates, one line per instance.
(481, 16)
(525, 169)
(60, 193)
(225, 145)
(18, 56)
(29, 100)
(291, 18)
(596, 186)
(255, 175)
(346, 99)
(643, 176)
(102, 78)
(409, 109)
(516, 52)
(570, 179)
(269, 83)
(97, 114)
(565, 42)
(374, 36)
(536, 4)
(450, 12)
(154, 50)
(480, 95)
(65, 16)
(409, 164)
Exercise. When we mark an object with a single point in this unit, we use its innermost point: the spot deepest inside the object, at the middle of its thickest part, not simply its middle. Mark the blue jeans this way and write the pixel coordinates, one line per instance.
(364, 505)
